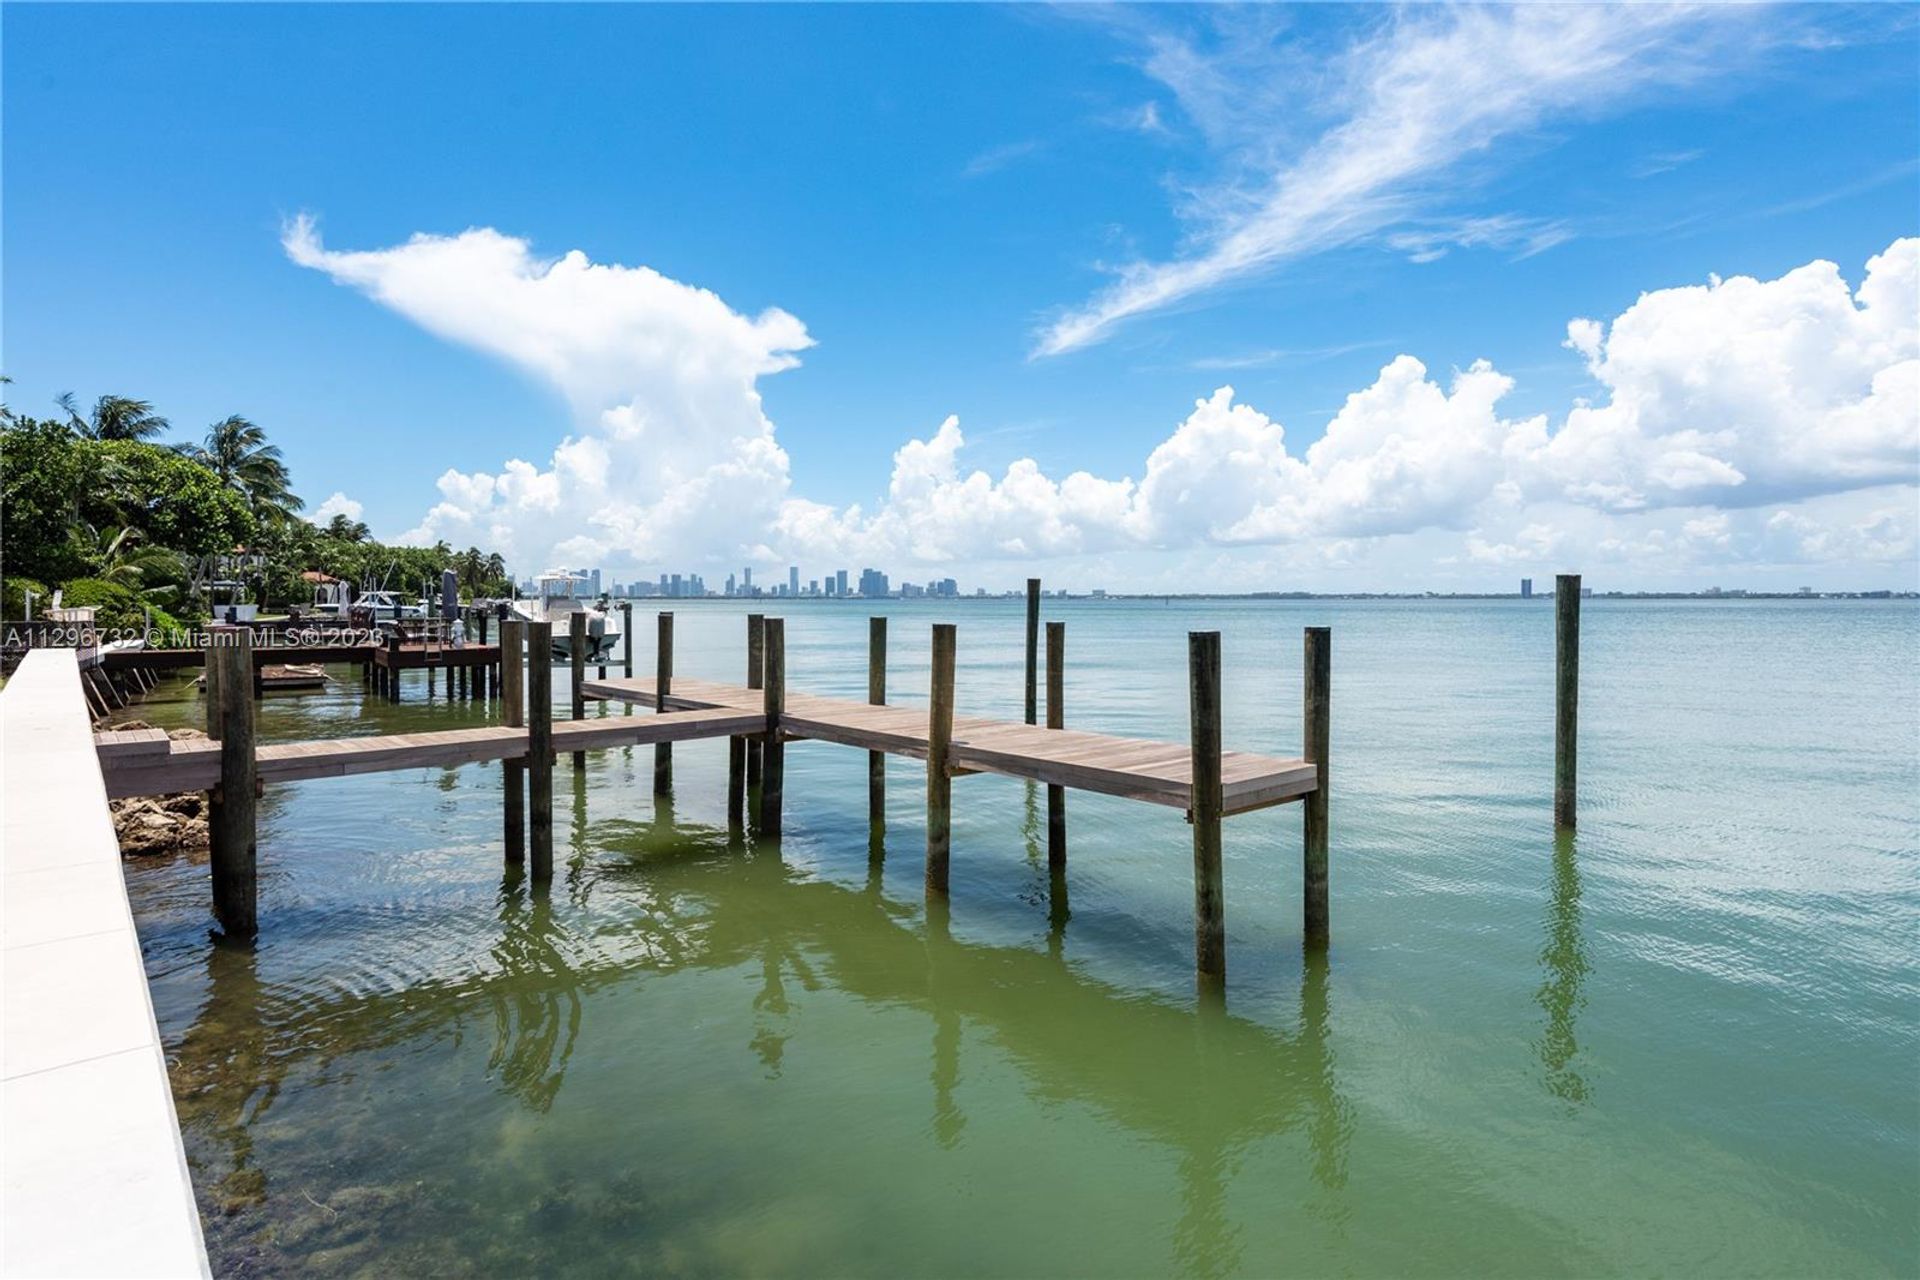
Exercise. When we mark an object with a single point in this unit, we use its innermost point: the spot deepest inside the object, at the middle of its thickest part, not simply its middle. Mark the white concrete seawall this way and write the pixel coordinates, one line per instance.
(96, 1180)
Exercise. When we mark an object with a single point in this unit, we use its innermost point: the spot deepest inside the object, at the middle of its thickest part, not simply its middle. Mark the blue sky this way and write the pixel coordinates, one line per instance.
(964, 207)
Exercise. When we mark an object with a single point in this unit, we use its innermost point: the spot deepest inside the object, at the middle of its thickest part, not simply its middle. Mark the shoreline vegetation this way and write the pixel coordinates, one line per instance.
(150, 533)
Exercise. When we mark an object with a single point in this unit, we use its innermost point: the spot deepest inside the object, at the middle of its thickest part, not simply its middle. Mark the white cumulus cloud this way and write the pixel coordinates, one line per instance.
(673, 455)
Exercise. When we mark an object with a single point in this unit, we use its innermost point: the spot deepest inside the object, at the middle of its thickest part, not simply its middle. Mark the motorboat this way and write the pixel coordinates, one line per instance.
(335, 602)
(558, 595)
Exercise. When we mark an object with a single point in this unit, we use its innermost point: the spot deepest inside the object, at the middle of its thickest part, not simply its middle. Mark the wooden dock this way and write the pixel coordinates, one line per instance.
(1133, 768)
(760, 717)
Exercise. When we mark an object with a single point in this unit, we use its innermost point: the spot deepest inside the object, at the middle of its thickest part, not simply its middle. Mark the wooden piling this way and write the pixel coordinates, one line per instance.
(662, 682)
(1566, 713)
(626, 634)
(939, 773)
(1317, 714)
(1056, 719)
(577, 660)
(877, 696)
(1033, 650)
(540, 746)
(513, 714)
(756, 672)
(773, 751)
(1209, 905)
(210, 677)
(393, 664)
(230, 813)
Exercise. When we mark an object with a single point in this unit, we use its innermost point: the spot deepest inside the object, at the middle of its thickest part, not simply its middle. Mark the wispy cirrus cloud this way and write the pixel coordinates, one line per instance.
(1388, 118)
(994, 159)
(1283, 355)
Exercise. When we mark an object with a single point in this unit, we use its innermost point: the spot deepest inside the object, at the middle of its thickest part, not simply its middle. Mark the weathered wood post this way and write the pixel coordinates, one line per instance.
(1566, 717)
(513, 713)
(1033, 650)
(626, 634)
(540, 746)
(230, 813)
(1056, 719)
(939, 772)
(1317, 735)
(756, 673)
(210, 673)
(877, 696)
(1209, 906)
(393, 663)
(577, 657)
(662, 686)
(773, 751)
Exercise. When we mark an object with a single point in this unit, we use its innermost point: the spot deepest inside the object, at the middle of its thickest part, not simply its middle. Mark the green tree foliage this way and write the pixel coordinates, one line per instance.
(116, 607)
(89, 503)
(173, 501)
(43, 476)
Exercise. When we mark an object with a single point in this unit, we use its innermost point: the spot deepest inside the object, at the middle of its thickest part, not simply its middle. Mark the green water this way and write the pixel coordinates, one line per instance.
(1682, 1042)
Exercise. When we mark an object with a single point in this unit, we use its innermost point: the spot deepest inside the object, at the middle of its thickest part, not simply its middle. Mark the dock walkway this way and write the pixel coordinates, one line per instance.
(1135, 768)
(759, 717)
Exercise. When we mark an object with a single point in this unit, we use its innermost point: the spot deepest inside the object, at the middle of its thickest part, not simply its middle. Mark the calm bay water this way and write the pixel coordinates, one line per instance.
(1683, 1041)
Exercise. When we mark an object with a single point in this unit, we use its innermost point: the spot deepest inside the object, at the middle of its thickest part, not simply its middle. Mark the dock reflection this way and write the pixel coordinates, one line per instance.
(1198, 1081)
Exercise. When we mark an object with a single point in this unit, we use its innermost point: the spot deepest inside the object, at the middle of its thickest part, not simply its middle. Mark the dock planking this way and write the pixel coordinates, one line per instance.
(143, 762)
(1133, 768)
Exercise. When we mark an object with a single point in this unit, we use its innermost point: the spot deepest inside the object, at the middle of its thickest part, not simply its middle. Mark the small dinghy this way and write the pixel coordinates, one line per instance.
(287, 676)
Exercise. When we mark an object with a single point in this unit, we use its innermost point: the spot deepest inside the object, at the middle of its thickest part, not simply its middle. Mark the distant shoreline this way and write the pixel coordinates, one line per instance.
(1713, 597)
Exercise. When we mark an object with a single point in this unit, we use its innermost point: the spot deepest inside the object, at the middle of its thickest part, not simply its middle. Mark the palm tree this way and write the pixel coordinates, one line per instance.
(113, 418)
(471, 565)
(345, 528)
(120, 557)
(237, 451)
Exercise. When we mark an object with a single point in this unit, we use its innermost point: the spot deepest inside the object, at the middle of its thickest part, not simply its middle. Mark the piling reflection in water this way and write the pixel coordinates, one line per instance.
(1564, 966)
(536, 1017)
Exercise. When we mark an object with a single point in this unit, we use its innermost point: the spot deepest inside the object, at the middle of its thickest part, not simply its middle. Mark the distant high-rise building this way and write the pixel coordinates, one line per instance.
(873, 584)
(729, 585)
(593, 582)
(663, 584)
(746, 581)
(840, 581)
(1526, 588)
(793, 580)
